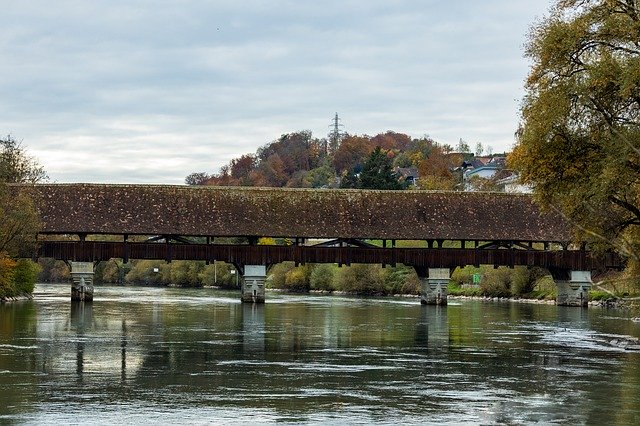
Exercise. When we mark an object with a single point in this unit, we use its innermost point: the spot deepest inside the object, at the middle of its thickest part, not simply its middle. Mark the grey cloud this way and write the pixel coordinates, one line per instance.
(188, 85)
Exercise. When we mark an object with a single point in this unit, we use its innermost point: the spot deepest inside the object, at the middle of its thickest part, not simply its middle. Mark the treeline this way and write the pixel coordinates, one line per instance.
(148, 272)
(299, 160)
(373, 280)
(356, 279)
(487, 281)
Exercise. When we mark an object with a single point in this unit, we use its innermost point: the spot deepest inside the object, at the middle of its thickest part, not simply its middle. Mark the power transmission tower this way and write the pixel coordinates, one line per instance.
(335, 135)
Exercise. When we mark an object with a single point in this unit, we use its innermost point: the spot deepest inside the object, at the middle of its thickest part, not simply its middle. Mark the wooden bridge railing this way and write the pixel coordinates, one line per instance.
(270, 254)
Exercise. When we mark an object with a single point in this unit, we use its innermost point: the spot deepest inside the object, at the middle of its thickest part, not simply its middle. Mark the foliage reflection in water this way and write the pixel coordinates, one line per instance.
(176, 355)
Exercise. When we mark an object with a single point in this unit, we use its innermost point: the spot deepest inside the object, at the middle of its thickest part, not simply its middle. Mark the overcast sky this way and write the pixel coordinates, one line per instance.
(150, 91)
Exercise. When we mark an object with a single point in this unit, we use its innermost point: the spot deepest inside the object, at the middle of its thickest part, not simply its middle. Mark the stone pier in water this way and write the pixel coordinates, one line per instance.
(253, 282)
(82, 281)
(434, 286)
(574, 291)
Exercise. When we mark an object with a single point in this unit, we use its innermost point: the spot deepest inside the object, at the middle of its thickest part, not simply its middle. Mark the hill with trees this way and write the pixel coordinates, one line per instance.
(299, 160)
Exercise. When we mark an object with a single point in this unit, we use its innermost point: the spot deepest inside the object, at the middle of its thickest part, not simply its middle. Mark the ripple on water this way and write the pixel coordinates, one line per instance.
(316, 360)
(22, 347)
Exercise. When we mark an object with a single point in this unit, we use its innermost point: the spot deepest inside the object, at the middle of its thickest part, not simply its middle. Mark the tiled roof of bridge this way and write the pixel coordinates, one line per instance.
(276, 212)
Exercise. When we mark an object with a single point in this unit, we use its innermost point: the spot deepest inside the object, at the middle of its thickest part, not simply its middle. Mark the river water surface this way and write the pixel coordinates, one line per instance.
(165, 355)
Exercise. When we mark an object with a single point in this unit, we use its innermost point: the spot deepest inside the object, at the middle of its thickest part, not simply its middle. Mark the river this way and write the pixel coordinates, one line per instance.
(169, 355)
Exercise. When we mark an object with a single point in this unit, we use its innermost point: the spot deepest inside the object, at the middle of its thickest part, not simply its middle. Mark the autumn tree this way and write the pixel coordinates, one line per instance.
(579, 141)
(297, 151)
(240, 168)
(436, 170)
(270, 172)
(197, 178)
(300, 160)
(352, 152)
(391, 141)
(19, 221)
(18, 217)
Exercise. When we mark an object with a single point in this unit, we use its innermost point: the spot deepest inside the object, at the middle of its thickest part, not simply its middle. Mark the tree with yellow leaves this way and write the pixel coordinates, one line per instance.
(19, 221)
(579, 140)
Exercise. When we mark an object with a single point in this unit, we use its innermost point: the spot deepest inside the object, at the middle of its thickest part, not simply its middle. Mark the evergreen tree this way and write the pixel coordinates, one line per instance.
(377, 172)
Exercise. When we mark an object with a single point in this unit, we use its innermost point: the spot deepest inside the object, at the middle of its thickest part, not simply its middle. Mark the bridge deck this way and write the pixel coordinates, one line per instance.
(275, 212)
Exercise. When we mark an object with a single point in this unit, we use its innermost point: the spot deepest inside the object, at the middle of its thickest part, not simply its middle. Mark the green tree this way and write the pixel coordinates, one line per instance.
(463, 146)
(19, 221)
(25, 275)
(321, 277)
(16, 166)
(479, 149)
(361, 279)
(349, 180)
(377, 172)
(323, 176)
(579, 141)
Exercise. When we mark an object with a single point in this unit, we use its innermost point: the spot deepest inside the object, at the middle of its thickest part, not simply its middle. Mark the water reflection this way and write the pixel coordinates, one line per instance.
(81, 318)
(576, 317)
(432, 329)
(123, 351)
(253, 328)
(200, 356)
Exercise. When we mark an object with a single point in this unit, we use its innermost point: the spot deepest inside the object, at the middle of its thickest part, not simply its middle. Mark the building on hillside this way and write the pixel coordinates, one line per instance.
(407, 174)
(480, 170)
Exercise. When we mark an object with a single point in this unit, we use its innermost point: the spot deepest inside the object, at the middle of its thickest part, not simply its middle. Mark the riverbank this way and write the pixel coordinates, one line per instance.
(7, 299)
(612, 303)
(503, 299)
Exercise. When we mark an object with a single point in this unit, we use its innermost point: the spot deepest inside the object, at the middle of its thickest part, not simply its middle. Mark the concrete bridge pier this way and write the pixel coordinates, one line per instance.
(82, 281)
(434, 285)
(573, 288)
(253, 281)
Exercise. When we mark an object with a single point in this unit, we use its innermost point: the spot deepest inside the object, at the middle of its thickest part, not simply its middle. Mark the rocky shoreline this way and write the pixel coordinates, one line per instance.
(504, 299)
(614, 303)
(16, 298)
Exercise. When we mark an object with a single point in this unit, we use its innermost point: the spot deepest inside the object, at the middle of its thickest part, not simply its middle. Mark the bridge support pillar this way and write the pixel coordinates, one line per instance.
(253, 283)
(434, 286)
(575, 291)
(82, 281)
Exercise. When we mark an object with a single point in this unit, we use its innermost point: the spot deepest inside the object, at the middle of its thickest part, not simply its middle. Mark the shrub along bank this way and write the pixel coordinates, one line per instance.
(375, 280)
(485, 281)
(354, 279)
(17, 277)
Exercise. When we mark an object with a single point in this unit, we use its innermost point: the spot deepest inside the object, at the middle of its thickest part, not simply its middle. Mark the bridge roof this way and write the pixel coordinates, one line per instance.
(309, 213)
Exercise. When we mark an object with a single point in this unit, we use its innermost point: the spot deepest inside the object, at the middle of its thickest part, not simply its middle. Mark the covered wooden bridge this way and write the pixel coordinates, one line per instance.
(196, 223)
